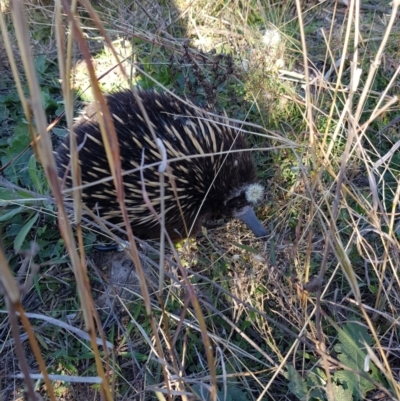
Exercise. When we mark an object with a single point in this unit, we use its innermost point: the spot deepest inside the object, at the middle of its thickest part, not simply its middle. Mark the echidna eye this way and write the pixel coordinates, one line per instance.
(236, 202)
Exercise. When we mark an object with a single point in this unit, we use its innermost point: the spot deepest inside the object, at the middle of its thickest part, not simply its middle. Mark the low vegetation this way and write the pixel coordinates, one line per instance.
(308, 313)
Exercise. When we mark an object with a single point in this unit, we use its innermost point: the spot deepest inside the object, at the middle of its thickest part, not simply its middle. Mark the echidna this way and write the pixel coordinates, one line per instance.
(220, 179)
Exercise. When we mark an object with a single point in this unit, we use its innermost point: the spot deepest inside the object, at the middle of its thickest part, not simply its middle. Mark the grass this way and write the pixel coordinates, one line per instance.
(311, 312)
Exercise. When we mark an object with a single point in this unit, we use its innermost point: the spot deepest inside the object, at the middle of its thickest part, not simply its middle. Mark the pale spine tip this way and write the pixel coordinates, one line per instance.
(254, 193)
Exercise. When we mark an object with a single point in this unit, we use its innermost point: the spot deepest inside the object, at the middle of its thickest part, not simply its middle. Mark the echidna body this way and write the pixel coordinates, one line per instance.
(210, 182)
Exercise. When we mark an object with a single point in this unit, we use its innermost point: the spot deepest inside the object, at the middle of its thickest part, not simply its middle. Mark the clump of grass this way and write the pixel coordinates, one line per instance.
(309, 313)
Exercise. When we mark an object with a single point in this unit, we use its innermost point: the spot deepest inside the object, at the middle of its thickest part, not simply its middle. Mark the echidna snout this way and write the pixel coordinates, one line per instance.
(248, 217)
(240, 206)
(209, 169)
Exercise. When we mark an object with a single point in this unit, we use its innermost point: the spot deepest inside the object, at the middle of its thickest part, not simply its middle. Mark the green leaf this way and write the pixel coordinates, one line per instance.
(41, 341)
(35, 174)
(8, 196)
(316, 380)
(233, 393)
(47, 100)
(341, 394)
(4, 113)
(18, 153)
(297, 384)
(60, 132)
(20, 238)
(40, 64)
(37, 286)
(352, 353)
(247, 248)
(21, 138)
(9, 215)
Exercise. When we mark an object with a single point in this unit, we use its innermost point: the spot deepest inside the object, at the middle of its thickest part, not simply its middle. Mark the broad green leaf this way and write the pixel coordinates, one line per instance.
(352, 353)
(316, 383)
(40, 64)
(341, 394)
(297, 384)
(20, 238)
(21, 138)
